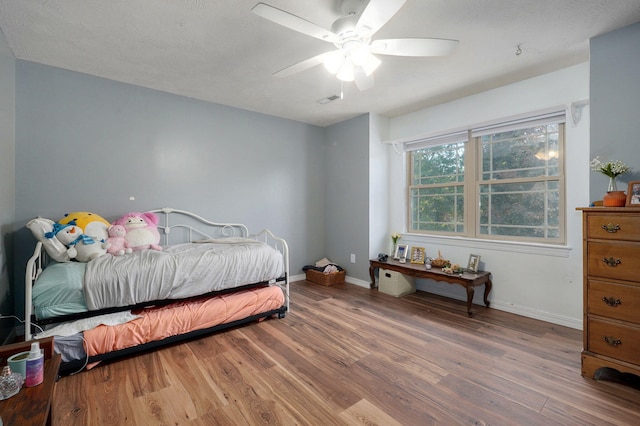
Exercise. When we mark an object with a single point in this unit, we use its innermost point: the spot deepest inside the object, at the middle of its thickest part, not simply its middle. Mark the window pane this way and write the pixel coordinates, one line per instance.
(438, 209)
(524, 153)
(529, 210)
(436, 189)
(441, 164)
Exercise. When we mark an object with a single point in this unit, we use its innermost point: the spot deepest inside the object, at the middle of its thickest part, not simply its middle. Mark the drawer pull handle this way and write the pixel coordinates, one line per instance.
(610, 261)
(611, 301)
(611, 228)
(612, 341)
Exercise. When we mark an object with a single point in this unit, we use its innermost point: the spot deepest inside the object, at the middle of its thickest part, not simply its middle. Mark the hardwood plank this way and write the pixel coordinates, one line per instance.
(348, 355)
(364, 412)
(184, 369)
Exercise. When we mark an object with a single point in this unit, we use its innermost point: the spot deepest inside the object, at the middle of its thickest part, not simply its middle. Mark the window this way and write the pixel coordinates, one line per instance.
(437, 188)
(499, 182)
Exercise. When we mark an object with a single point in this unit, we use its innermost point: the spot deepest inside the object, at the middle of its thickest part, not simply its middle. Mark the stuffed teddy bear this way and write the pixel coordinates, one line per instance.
(82, 247)
(142, 230)
(118, 244)
(91, 224)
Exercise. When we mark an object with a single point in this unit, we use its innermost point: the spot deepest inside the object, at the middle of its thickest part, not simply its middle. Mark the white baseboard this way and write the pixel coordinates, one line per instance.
(358, 282)
(450, 291)
(350, 280)
(539, 315)
(299, 277)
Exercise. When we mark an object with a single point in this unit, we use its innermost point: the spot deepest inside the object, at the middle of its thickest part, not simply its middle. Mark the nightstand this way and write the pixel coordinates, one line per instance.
(31, 406)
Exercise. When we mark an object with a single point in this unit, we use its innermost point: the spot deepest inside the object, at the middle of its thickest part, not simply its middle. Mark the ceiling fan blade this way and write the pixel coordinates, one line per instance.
(376, 14)
(414, 46)
(293, 22)
(301, 66)
(362, 80)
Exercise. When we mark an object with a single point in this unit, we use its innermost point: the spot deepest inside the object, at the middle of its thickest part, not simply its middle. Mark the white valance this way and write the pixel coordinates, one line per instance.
(553, 116)
(538, 120)
(426, 142)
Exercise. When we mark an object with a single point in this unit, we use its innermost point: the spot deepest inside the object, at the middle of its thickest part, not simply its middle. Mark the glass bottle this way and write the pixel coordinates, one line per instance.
(10, 383)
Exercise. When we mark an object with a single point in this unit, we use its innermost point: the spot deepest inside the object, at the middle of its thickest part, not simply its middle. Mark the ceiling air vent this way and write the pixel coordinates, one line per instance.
(328, 99)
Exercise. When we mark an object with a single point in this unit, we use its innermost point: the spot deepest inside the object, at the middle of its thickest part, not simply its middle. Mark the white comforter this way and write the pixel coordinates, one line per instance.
(179, 271)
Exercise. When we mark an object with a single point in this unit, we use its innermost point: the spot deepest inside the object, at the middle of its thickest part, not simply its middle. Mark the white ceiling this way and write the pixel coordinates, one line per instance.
(218, 51)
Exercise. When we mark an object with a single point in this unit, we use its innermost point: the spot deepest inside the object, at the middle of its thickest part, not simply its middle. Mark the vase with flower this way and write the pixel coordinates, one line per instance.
(611, 169)
(394, 239)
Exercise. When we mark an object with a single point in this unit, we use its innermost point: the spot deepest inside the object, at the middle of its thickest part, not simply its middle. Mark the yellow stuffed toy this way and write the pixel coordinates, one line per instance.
(91, 224)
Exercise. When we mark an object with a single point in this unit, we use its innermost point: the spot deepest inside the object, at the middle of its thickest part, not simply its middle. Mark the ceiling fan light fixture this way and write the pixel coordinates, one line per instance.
(334, 61)
(360, 54)
(346, 71)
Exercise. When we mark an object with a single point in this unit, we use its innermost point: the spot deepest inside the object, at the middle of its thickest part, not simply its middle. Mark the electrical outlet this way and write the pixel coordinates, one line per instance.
(353, 258)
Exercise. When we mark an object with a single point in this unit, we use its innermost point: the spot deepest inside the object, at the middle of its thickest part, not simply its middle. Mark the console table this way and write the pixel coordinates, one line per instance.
(468, 280)
(32, 406)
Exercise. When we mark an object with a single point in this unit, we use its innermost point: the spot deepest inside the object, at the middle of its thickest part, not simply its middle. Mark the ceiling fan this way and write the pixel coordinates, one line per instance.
(354, 59)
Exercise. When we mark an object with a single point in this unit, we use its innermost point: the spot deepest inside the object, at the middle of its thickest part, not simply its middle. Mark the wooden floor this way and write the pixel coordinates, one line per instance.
(347, 355)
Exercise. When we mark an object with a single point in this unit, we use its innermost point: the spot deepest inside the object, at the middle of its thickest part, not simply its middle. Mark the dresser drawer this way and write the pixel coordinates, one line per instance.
(616, 301)
(613, 226)
(618, 261)
(615, 340)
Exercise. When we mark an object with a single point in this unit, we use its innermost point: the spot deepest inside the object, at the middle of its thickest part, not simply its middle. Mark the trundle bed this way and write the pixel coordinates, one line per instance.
(208, 277)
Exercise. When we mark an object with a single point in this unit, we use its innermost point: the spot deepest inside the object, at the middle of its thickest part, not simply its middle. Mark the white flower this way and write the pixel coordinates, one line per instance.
(610, 168)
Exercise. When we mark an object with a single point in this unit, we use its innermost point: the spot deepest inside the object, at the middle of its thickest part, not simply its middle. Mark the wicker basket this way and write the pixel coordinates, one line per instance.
(325, 279)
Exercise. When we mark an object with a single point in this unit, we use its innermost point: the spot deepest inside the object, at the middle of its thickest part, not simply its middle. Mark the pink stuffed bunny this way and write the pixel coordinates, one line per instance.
(142, 230)
(119, 244)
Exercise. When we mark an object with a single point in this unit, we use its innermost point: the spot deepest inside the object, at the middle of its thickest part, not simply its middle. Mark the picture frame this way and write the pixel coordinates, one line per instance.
(417, 254)
(633, 194)
(474, 263)
(401, 253)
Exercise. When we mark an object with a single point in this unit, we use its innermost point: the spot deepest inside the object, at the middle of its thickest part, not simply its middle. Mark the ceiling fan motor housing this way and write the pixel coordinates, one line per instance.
(352, 7)
(345, 28)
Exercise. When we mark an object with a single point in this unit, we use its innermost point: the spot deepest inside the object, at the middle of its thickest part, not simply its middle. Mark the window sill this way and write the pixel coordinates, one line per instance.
(510, 246)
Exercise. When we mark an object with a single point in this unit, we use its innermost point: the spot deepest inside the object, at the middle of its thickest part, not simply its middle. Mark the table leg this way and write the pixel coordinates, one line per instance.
(372, 275)
(487, 290)
(470, 293)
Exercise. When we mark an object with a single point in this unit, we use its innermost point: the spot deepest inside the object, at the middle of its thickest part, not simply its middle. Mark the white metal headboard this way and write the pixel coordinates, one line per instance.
(213, 230)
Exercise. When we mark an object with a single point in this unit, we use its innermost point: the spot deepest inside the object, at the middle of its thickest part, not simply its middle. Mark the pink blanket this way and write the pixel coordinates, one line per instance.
(182, 317)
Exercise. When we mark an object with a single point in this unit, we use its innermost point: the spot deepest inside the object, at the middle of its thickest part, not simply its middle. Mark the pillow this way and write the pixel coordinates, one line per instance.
(54, 248)
(92, 224)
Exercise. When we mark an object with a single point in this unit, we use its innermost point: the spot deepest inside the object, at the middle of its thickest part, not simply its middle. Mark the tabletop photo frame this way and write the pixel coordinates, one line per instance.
(401, 253)
(417, 254)
(474, 263)
(633, 194)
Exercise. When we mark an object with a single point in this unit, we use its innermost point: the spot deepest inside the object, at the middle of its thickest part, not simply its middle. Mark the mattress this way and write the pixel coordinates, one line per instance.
(157, 323)
(182, 317)
(59, 290)
(180, 271)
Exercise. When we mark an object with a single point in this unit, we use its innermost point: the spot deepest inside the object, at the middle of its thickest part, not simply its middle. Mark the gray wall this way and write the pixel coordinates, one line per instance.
(7, 180)
(347, 195)
(87, 144)
(614, 96)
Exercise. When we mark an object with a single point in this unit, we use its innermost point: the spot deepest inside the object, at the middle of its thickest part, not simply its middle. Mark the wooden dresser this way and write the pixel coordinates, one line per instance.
(611, 250)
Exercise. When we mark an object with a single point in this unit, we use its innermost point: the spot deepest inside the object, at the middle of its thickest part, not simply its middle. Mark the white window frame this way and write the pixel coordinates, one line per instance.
(473, 169)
